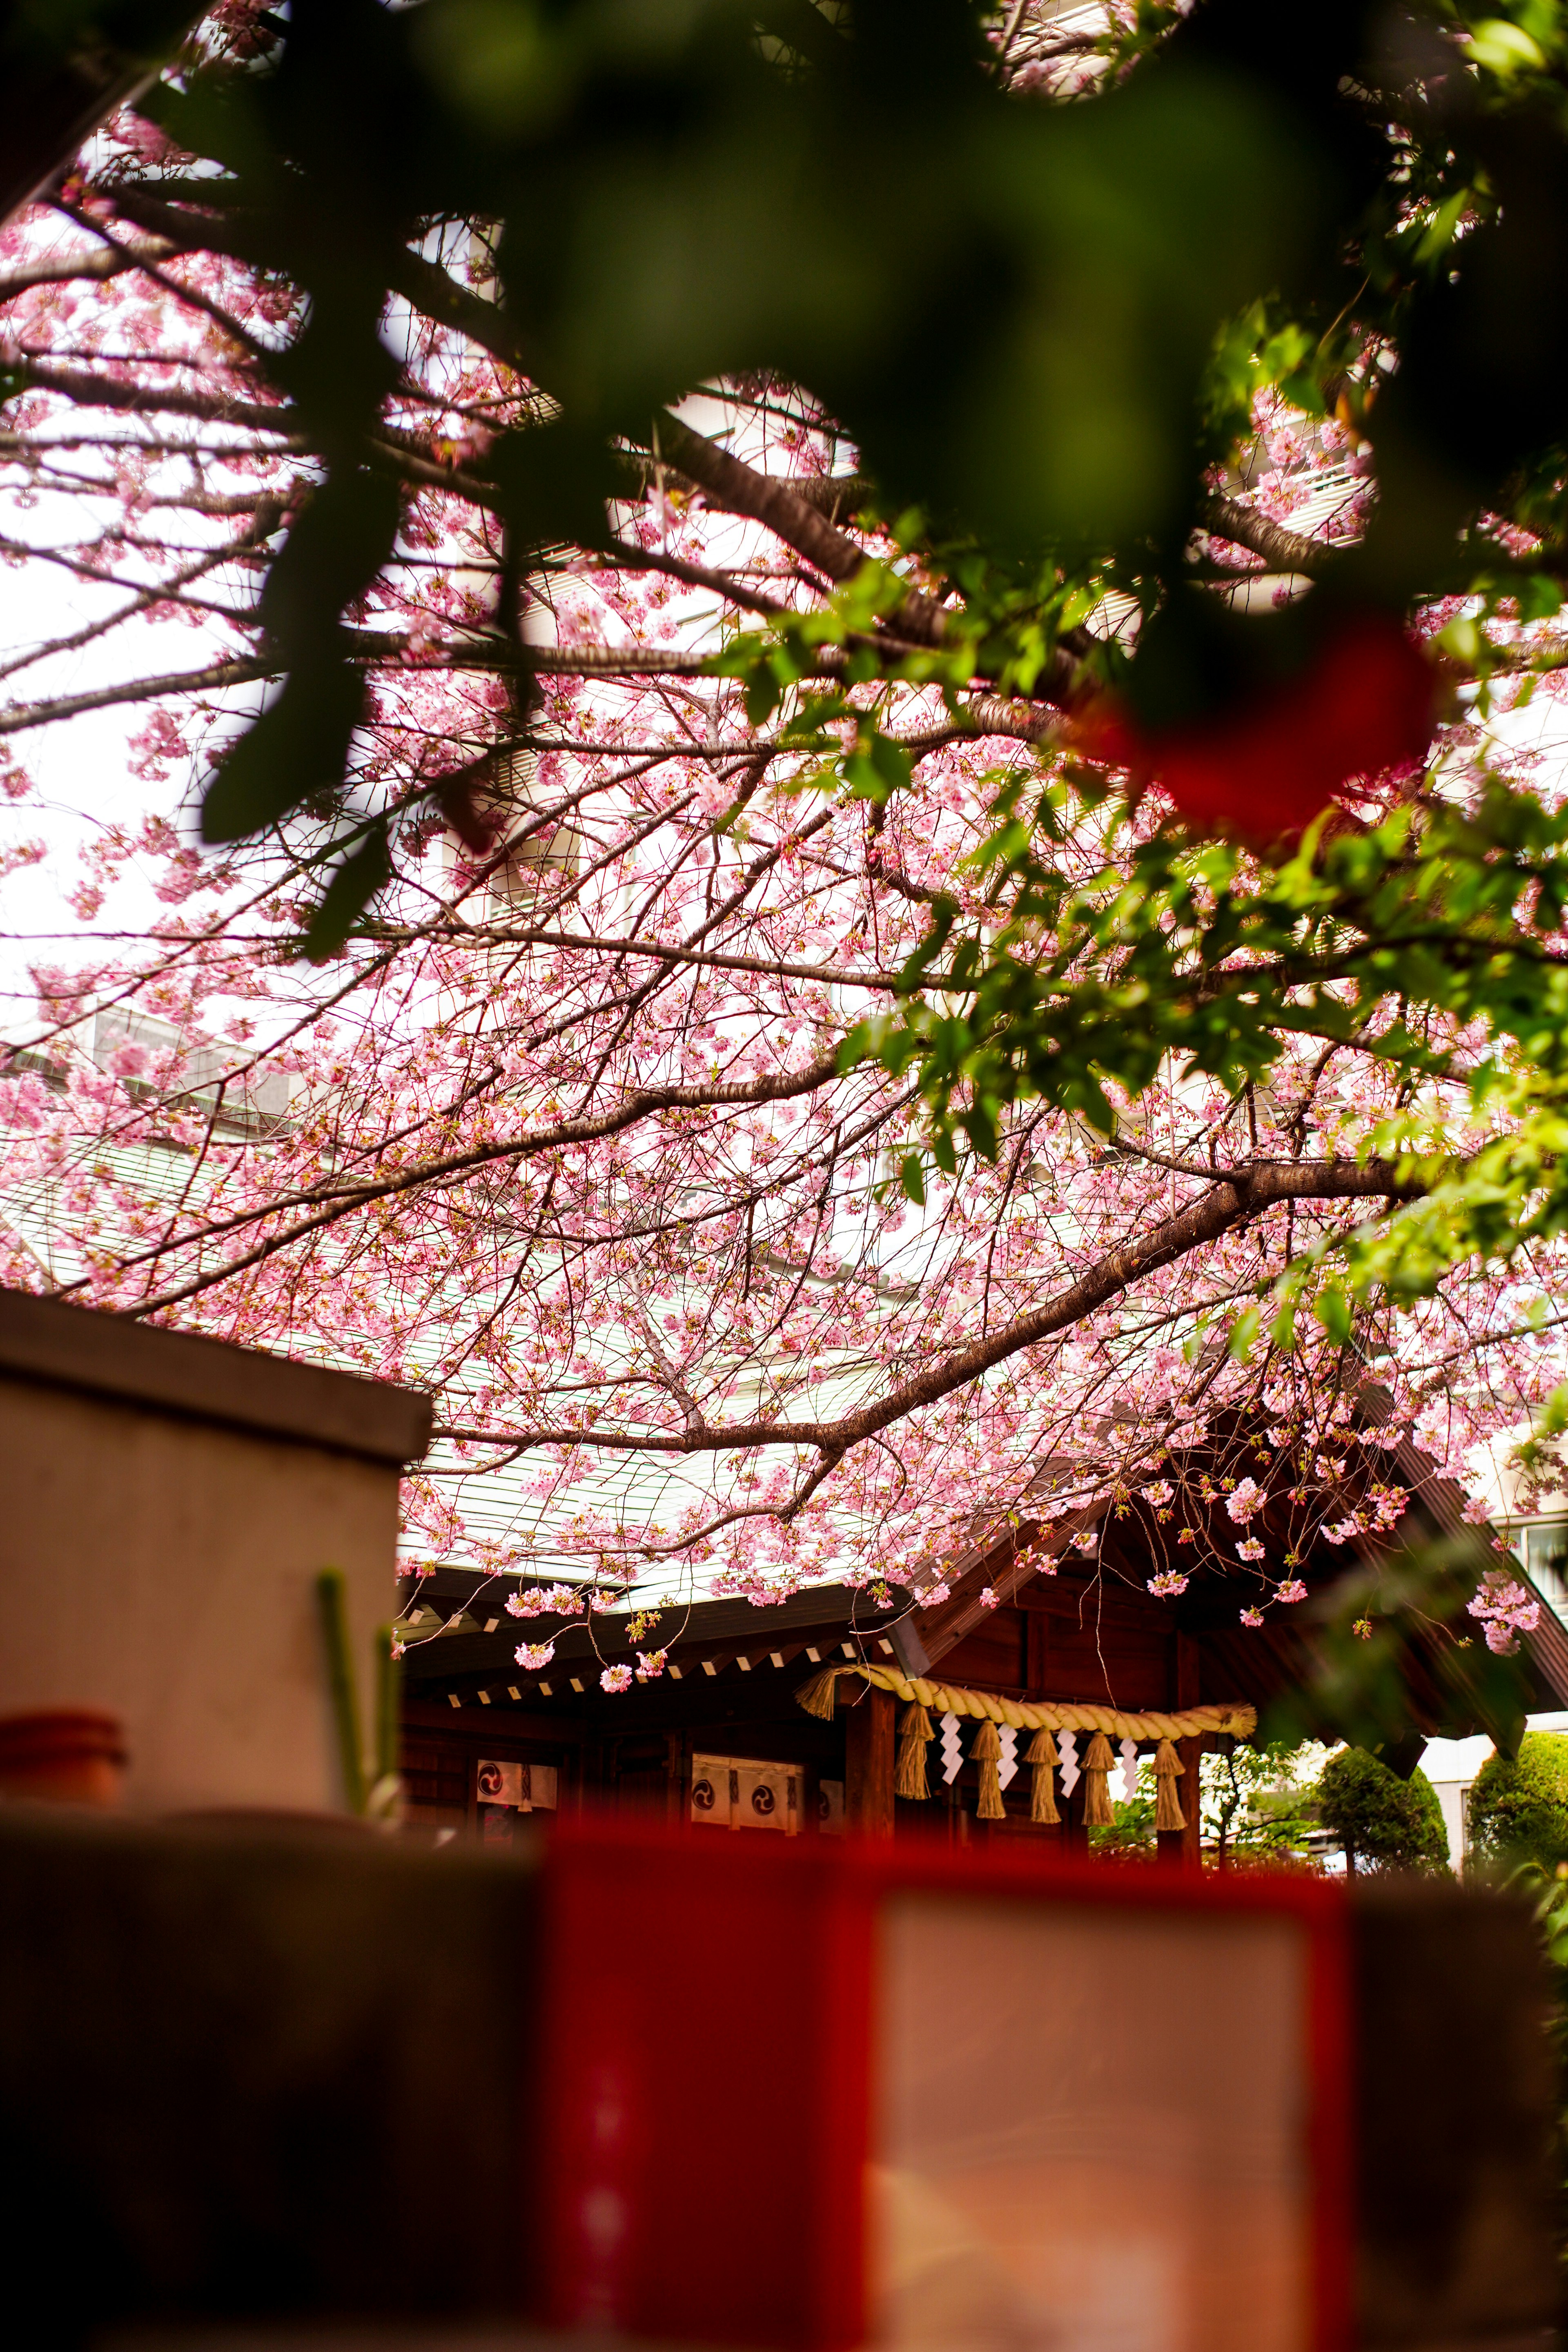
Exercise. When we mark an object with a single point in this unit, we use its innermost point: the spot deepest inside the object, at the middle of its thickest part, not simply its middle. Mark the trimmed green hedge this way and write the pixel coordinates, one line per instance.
(1381, 1821)
(1518, 1811)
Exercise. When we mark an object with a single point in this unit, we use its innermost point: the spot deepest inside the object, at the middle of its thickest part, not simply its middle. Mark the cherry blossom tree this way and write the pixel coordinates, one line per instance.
(760, 1020)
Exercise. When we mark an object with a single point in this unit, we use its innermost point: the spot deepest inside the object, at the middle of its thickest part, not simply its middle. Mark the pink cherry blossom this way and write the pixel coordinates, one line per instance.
(534, 1655)
(1505, 1610)
(564, 1139)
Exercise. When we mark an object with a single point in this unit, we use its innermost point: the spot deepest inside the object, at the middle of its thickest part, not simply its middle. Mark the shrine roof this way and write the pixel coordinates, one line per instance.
(473, 1649)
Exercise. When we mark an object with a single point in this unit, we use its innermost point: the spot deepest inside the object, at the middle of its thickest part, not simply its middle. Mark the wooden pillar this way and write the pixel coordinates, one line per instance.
(590, 1775)
(1072, 1837)
(678, 1785)
(869, 1747)
(1184, 1847)
(1075, 1829)
(1191, 1753)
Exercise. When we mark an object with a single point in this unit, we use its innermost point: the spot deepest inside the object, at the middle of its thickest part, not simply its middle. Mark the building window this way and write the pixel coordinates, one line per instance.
(228, 1083)
(1541, 1547)
(537, 862)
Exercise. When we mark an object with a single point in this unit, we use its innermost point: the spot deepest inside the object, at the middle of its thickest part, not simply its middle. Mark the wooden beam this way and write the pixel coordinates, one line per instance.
(1184, 1847)
(1003, 1567)
(1037, 1654)
(1073, 1829)
(500, 1724)
(868, 1765)
(1191, 1849)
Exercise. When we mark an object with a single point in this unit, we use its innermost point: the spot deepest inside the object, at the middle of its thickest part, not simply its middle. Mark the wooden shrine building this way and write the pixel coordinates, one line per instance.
(809, 1718)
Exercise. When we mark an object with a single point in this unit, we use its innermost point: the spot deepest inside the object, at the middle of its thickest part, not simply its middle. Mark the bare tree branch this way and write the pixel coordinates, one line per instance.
(1238, 1197)
(1283, 549)
(340, 1201)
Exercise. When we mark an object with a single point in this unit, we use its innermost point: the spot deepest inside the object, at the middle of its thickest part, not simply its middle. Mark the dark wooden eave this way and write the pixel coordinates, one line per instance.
(1000, 1578)
(761, 1655)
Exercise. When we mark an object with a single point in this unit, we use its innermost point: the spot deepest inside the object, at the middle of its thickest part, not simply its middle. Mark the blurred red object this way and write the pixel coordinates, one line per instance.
(811, 2101)
(1265, 770)
(67, 1755)
(761, 2094)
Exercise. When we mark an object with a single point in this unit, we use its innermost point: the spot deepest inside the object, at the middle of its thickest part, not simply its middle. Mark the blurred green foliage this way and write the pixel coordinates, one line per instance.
(1390, 1643)
(1519, 1809)
(1547, 1893)
(1255, 1805)
(1381, 1821)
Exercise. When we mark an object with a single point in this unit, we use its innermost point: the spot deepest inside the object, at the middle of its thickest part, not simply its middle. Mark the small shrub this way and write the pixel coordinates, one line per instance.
(1266, 1862)
(1381, 1821)
(1132, 1837)
(1519, 1810)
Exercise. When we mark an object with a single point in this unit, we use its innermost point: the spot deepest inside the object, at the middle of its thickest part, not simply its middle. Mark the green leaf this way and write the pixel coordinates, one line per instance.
(877, 768)
(1503, 49)
(1282, 1331)
(1333, 1309)
(1439, 233)
(1244, 1334)
(912, 1179)
(762, 693)
(1539, 597)
(300, 745)
(344, 534)
(350, 889)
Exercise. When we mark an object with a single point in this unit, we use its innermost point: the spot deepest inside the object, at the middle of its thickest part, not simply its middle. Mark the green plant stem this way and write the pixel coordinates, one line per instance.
(388, 1709)
(330, 1593)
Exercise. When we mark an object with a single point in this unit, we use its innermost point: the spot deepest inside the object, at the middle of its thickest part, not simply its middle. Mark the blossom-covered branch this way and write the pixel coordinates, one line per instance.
(739, 1025)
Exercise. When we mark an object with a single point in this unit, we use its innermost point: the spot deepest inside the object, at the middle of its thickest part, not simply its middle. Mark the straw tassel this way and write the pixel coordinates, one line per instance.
(910, 1781)
(1042, 1754)
(986, 1752)
(1168, 1814)
(949, 1699)
(1097, 1812)
(819, 1695)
